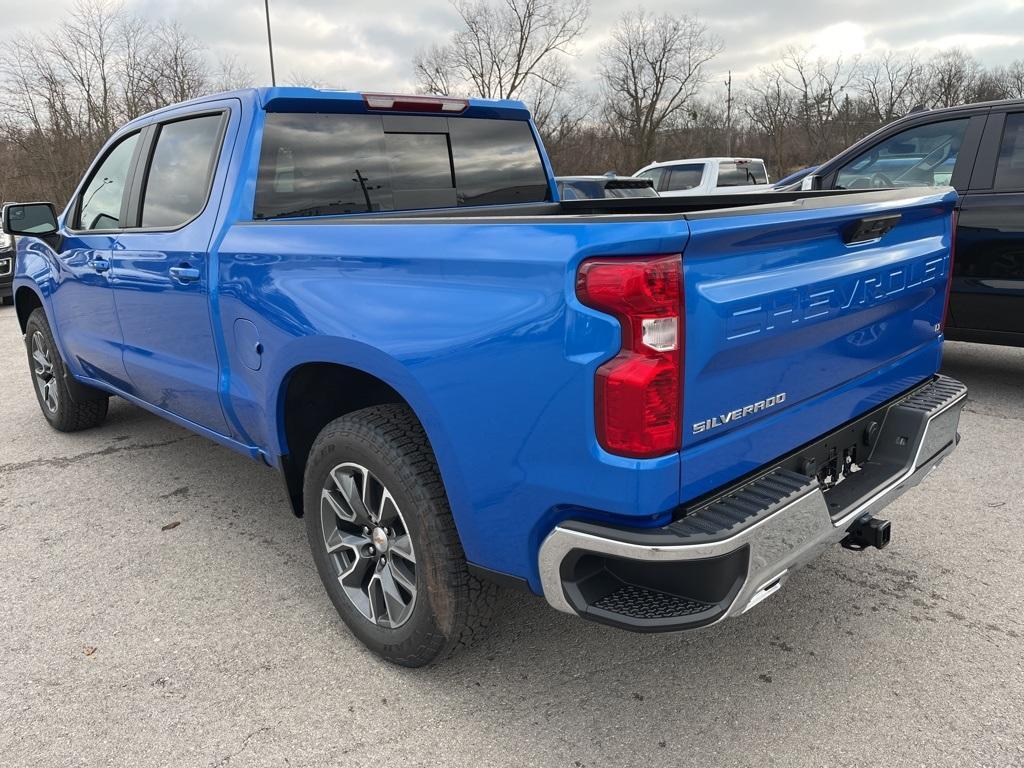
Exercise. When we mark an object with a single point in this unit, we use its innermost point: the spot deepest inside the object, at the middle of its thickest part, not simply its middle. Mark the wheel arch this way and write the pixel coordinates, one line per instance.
(315, 392)
(26, 301)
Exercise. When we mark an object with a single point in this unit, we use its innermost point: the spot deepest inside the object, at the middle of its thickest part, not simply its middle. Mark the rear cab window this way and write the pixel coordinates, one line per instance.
(741, 173)
(1010, 166)
(315, 164)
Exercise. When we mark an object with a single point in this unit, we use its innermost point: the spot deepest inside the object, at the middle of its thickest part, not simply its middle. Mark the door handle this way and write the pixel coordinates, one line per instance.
(185, 274)
(100, 265)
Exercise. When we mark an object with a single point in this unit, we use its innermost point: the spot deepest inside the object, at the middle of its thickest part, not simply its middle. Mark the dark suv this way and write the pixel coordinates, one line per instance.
(6, 267)
(979, 150)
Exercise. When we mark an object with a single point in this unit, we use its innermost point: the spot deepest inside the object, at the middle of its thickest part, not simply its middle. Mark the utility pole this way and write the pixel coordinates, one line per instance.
(728, 115)
(270, 44)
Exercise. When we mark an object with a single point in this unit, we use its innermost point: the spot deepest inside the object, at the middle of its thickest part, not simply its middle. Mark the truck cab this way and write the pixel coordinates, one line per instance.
(707, 176)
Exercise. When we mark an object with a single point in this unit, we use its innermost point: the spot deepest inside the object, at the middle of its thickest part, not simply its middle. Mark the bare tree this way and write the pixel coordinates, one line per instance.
(821, 87)
(892, 85)
(650, 70)
(82, 52)
(1015, 80)
(436, 70)
(559, 107)
(179, 70)
(504, 47)
(952, 78)
(68, 90)
(769, 105)
(992, 85)
(300, 79)
(232, 75)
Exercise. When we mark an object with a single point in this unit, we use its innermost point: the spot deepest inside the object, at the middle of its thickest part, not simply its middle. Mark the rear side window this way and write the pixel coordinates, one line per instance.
(1010, 170)
(740, 173)
(179, 177)
(326, 164)
(683, 177)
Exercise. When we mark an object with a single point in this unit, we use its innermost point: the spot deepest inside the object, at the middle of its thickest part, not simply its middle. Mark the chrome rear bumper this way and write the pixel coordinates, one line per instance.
(732, 551)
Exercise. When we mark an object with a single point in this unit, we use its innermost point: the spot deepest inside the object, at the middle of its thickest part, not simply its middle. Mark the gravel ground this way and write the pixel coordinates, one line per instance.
(213, 644)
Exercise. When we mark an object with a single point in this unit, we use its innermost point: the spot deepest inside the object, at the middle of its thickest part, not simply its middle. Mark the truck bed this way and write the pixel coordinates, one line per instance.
(648, 206)
(484, 332)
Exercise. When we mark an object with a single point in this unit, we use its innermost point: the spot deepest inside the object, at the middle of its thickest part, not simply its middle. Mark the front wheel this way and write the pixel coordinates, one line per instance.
(384, 541)
(66, 410)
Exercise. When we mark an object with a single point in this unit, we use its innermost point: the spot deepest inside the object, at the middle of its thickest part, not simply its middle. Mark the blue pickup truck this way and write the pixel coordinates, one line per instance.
(649, 411)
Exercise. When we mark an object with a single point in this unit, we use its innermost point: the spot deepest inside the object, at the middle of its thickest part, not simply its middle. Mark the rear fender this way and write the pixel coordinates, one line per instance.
(362, 357)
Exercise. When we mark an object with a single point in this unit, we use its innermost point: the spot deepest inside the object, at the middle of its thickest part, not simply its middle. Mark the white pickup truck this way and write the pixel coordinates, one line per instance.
(706, 176)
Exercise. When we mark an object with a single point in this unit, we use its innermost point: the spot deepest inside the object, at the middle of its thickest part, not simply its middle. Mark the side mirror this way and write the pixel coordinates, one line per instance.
(37, 219)
(812, 181)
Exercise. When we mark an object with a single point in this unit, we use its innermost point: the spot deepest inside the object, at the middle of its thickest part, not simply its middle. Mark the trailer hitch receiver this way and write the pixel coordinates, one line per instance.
(867, 532)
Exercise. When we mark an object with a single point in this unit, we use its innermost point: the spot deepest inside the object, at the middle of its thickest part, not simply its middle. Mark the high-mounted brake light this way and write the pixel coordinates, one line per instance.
(949, 277)
(397, 103)
(638, 393)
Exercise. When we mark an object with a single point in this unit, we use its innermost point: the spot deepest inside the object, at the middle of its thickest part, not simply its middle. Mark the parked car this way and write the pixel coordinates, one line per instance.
(462, 380)
(6, 268)
(979, 150)
(609, 185)
(794, 179)
(707, 176)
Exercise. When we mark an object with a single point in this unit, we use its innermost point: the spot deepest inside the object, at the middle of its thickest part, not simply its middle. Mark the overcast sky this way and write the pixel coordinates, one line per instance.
(369, 45)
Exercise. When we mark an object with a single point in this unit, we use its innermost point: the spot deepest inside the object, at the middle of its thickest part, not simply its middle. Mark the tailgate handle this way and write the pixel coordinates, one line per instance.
(870, 228)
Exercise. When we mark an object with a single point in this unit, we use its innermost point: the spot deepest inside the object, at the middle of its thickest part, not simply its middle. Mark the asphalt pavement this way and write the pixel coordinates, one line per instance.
(212, 643)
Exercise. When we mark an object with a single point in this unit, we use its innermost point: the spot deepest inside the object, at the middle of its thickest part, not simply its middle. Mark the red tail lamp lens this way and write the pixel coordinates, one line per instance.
(638, 394)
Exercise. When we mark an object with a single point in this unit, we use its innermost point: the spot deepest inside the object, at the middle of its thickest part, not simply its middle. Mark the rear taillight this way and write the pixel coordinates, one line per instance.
(638, 393)
(949, 277)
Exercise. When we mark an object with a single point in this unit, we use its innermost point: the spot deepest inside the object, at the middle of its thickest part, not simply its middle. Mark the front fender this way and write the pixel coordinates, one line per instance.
(35, 271)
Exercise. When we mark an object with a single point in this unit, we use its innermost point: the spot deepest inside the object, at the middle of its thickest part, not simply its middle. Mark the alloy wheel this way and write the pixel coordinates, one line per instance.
(369, 545)
(42, 369)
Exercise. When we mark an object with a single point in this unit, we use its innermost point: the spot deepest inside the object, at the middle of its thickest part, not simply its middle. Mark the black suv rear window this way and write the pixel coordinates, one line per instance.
(326, 164)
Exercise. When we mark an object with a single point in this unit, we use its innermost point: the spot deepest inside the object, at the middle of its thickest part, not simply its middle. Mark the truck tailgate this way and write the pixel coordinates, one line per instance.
(798, 319)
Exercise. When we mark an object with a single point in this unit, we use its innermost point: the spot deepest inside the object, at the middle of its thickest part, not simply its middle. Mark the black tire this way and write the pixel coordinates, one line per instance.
(450, 606)
(68, 405)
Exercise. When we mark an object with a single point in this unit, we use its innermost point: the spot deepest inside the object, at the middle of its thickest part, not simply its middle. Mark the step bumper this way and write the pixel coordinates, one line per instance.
(732, 550)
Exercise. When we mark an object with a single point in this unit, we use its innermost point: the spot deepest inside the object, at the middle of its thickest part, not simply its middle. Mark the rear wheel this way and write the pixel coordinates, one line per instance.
(384, 540)
(67, 410)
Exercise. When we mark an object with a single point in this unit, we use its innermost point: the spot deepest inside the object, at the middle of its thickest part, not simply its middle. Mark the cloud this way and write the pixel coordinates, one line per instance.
(370, 46)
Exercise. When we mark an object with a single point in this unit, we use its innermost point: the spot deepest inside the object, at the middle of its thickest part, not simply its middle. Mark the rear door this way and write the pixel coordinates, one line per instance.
(988, 276)
(161, 269)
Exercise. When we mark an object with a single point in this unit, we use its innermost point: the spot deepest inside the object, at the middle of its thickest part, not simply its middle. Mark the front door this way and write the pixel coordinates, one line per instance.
(84, 311)
(161, 270)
